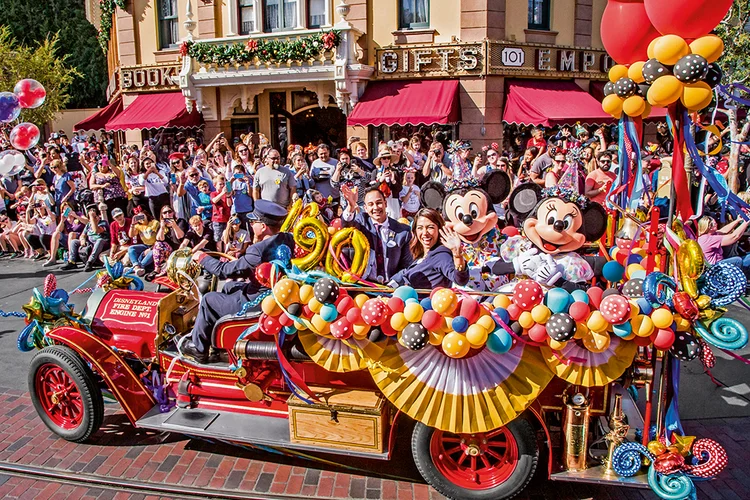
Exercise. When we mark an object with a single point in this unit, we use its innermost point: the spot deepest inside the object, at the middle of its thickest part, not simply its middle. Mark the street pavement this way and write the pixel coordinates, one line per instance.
(709, 410)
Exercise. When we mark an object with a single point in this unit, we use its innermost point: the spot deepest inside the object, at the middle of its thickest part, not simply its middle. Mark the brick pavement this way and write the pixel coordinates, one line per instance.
(121, 451)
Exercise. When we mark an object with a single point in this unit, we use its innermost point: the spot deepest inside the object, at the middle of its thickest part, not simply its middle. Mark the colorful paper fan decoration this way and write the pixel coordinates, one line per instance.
(339, 356)
(577, 365)
(465, 395)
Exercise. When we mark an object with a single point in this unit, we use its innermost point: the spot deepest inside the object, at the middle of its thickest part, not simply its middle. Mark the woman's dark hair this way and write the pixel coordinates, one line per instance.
(416, 248)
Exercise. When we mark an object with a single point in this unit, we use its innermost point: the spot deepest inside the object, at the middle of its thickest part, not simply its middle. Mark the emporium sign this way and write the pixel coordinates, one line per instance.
(149, 78)
(492, 58)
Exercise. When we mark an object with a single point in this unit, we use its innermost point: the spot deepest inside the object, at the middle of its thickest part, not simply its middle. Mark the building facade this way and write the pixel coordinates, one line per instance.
(267, 66)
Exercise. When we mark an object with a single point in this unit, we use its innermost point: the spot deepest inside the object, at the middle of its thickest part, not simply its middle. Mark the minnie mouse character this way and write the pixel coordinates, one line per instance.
(556, 223)
(467, 207)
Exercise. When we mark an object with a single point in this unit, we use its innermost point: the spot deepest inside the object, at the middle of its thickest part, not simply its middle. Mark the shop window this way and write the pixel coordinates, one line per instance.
(539, 14)
(279, 15)
(414, 14)
(316, 13)
(247, 16)
(169, 34)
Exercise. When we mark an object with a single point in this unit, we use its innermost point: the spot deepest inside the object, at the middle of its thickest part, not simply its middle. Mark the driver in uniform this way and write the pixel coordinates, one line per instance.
(265, 221)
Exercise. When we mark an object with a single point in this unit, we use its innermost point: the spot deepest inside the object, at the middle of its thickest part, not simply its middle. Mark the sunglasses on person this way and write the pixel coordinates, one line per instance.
(244, 150)
(219, 155)
(491, 155)
(174, 162)
(167, 212)
(605, 161)
(273, 157)
(193, 175)
(558, 161)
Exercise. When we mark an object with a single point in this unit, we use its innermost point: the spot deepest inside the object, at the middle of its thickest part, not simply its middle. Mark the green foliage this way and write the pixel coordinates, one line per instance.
(108, 10)
(299, 49)
(40, 63)
(735, 62)
(31, 22)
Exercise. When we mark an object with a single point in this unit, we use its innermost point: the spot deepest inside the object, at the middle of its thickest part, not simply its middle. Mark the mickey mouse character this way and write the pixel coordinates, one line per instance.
(467, 207)
(556, 223)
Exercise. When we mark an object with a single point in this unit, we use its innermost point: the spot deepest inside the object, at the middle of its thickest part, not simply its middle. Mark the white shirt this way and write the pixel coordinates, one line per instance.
(154, 184)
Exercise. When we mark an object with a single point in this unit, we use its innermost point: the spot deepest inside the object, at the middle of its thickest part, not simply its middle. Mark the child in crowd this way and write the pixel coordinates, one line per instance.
(205, 207)
(410, 195)
(242, 195)
(9, 240)
(235, 239)
(325, 207)
(199, 236)
(222, 207)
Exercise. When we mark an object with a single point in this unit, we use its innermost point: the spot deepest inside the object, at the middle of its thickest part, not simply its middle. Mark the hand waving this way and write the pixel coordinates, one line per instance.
(450, 240)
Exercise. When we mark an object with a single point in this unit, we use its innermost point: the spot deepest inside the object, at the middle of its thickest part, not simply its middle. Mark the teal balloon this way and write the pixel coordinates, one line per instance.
(558, 300)
(638, 274)
(329, 313)
(623, 330)
(405, 293)
(613, 271)
(289, 330)
(499, 341)
(580, 296)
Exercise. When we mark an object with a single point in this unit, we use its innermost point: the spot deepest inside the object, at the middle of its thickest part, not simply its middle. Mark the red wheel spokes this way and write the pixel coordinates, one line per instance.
(59, 396)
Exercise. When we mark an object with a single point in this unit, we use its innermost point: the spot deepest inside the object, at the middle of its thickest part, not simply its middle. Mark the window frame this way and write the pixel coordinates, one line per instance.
(253, 6)
(412, 26)
(162, 21)
(281, 29)
(308, 22)
(546, 24)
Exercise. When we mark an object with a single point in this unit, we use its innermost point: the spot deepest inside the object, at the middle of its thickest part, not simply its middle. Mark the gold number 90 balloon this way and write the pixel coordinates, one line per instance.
(690, 262)
(312, 235)
(292, 216)
(348, 237)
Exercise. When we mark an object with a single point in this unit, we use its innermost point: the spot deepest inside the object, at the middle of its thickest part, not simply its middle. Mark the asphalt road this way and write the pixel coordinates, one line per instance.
(700, 397)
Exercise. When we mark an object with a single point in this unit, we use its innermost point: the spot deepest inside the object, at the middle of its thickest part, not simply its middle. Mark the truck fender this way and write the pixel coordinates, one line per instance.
(136, 400)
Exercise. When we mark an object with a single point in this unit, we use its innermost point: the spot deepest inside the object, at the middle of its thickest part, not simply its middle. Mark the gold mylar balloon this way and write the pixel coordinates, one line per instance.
(710, 46)
(696, 96)
(703, 301)
(618, 71)
(634, 106)
(612, 104)
(669, 49)
(665, 90)
(312, 235)
(358, 242)
(596, 341)
(635, 71)
(691, 263)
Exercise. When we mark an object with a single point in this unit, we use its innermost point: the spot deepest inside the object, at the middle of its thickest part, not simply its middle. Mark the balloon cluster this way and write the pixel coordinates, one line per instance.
(27, 94)
(674, 71)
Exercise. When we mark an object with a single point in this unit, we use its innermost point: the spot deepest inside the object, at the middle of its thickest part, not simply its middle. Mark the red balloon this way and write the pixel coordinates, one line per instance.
(336, 224)
(626, 30)
(396, 304)
(375, 312)
(579, 311)
(514, 311)
(538, 333)
(595, 296)
(342, 329)
(354, 315)
(642, 341)
(388, 330)
(469, 309)
(431, 320)
(263, 274)
(269, 325)
(285, 320)
(344, 304)
(24, 136)
(685, 306)
(686, 18)
(510, 231)
(663, 338)
(307, 312)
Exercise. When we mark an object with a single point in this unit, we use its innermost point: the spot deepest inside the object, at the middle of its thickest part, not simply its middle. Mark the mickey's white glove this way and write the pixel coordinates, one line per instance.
(524, 264)
(546, 272)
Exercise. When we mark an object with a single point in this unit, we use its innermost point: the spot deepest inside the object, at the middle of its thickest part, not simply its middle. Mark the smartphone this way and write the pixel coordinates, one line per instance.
(238, 175)
(66, 212)
(173, 178)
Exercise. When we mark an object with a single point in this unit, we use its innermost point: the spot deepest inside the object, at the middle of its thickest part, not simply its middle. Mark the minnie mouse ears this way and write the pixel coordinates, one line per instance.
(433, 194)
(496, 184)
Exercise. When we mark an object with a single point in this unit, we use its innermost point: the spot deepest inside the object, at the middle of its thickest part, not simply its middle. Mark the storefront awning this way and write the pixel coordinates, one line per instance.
(597, 90)
(98, 120)
(163, 110)
(550, 103)
(414, 102)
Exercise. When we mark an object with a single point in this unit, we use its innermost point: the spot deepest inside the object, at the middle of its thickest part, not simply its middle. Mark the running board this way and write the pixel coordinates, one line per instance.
(253, 430)
(597, 475)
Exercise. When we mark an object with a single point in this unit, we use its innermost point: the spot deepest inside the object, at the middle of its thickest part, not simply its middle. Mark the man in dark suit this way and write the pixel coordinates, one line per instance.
(265, 222)
(389, 239)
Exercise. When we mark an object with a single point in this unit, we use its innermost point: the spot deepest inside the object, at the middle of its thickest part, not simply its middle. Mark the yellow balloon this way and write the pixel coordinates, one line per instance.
(670, 48)
(455, 345)
(596, 322)
(612, 104)
(635, 309)
(635, 71)
(476, 335)
(691, 263)
(634, 106)
(664, 91)
(501, 301)
(321, 326)
(399, 321)
(650, 50)
(436, 338)
(662, 318)
(413, 312)
(642, 325)
(617, 71)
(697, 96)
(360, 299)
(629, 337)
(444, 301)
(596, 341)
(269, 306)
(486, 322)
(315, 305)
(556, 345)
(541, 313)
(581, 330)
(291, 216)
(647, 111)
(525, 320)
(306, 293)
(312, 235)
(360, 331)
(348, 237)
(286, 291)
(710, 46)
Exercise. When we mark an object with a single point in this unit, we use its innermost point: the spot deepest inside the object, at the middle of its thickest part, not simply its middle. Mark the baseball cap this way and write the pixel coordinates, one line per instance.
(117, 211)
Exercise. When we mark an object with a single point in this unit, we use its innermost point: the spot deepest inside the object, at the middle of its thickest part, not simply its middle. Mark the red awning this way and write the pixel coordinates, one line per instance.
(164, 110)
(597, 90)
(98, 120)
(550, 103)
(414, 102)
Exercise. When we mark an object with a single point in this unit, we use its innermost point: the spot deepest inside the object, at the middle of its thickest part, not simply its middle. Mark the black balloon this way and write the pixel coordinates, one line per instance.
(610, 291)
(691, 69)
(561, 327)
(714, 75)
(633, 288)
(517, 328)
(653, 69)
(625, 87)
(685, 346)
(326, 290)
(609, 89)
(376, 334)
(415, 336)
(295, 309)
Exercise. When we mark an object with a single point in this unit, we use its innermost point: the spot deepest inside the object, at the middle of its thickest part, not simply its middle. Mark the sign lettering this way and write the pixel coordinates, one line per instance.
(149, 77)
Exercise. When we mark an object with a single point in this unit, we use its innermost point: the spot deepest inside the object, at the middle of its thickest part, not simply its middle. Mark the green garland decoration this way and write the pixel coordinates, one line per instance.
(267, 51)
(105, 31)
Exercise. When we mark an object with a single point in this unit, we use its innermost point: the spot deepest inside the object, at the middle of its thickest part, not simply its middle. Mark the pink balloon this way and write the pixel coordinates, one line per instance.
(626, 30)
(24, 136)
(686, 18)
(30, 93)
